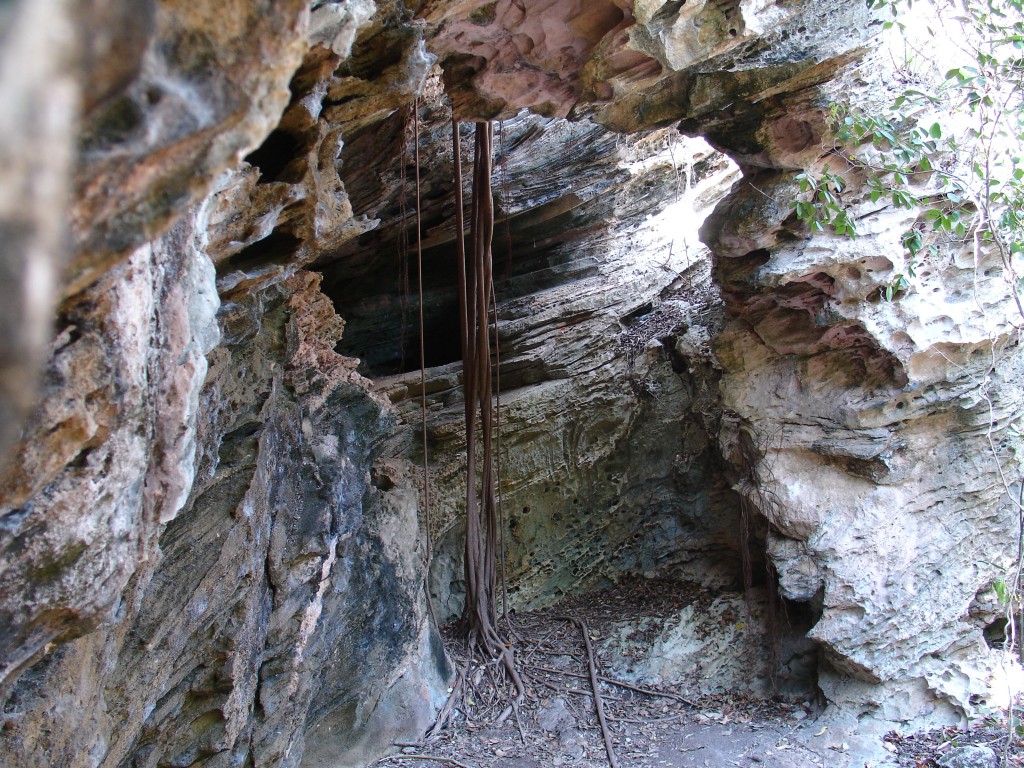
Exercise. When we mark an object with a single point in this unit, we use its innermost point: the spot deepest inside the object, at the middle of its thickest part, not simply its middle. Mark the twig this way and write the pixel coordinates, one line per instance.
(526, 656)
(648, 720)
(555, 688)
(621, 684)
(519, 723)
(549, 651)
(647, 691)
(596, 686)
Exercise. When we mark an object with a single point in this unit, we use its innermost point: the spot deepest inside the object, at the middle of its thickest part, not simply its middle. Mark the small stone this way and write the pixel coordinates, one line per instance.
(799, 715)
(556, 716)
(970, 756)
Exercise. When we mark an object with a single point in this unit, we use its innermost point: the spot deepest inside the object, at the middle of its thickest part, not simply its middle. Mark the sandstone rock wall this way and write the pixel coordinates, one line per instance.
(211, 534)
(608, 436)
(225, 626)
(190, 515)
(881, 431)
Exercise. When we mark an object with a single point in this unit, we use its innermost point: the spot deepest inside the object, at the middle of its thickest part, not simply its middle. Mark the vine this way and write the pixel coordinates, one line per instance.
(966, 176)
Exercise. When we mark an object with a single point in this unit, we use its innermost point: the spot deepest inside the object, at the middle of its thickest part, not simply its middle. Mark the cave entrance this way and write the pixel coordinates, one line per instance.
(382, 324)
(618, 481)
(540, 238)
(381, 309)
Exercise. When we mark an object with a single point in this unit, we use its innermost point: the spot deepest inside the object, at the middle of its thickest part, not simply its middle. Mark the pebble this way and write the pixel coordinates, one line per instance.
(971, 756)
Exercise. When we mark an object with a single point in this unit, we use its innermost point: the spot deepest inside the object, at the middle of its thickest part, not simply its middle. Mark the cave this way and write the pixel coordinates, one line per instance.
(382, 328)
(758, 484)
(273, 157)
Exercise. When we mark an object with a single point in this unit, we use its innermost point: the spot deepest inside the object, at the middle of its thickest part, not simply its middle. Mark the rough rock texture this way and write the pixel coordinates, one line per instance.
(608, 404)
(211, 541)
(878, 430)
(969, 757)
(206, 84)
(114, 434)
(207, 542)
(852, 425)
(714, 648)
(250, 592)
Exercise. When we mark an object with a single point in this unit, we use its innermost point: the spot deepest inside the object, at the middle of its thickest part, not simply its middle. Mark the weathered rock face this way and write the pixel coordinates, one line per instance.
(205, 541)
(863, 415)
(119, 116)
(248, 592)
(116, 436)
(211, 535)
(715, 643)
(609, 402)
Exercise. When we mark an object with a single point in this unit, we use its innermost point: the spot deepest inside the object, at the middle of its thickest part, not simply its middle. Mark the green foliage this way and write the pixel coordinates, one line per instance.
(1002, 592)
(965, 170)
(824, 208)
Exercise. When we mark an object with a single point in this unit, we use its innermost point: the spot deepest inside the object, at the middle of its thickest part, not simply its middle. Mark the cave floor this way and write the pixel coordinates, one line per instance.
(651, 726)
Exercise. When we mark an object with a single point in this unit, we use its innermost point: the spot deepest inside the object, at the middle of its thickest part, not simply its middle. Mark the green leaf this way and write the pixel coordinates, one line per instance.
(913, 242)
(1002, 593)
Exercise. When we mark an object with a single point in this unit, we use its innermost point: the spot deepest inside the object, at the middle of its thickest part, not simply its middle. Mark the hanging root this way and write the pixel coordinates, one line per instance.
(454, 698)
(428, 547)
(476, 292)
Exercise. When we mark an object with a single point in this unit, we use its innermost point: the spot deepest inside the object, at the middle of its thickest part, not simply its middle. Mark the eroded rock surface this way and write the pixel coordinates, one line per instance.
(609, 402)
(115, 435)
(184, 535)
(211, 532)
(858, 414)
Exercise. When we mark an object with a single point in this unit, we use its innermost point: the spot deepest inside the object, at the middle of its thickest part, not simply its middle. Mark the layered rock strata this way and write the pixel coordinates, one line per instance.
(608, 403)
(210, 529)
(194, 508)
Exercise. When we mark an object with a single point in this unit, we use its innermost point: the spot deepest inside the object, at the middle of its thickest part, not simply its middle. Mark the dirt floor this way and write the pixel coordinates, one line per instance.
(665, 726)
